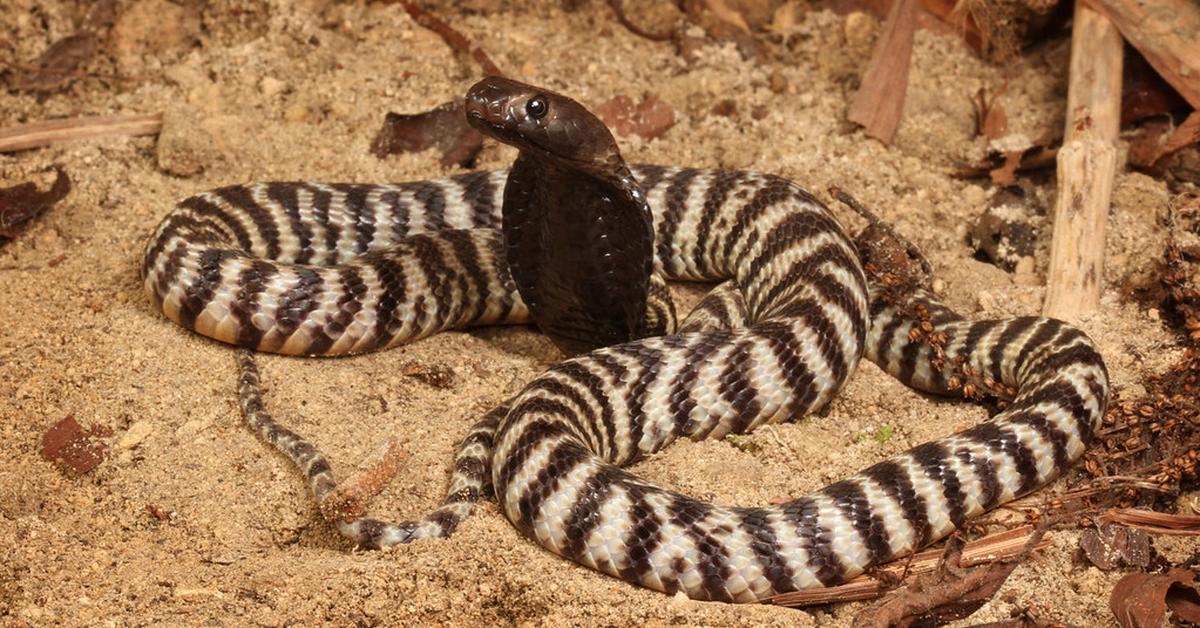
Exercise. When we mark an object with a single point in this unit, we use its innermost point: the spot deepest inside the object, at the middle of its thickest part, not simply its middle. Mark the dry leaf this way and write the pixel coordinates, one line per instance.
(64, 58)
(1141, 600)
(76, 449)
(1113, 546)
(444, 127)
(21, 202)
(880, 99)
(649, 118)
(990, 119)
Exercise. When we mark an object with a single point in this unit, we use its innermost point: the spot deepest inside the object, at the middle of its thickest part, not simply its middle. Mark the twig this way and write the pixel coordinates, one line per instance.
(1087, 163)
(995, 547)
(1155, 522)
(49, 132)
(634, 28)
(880, 99)
(453, 38)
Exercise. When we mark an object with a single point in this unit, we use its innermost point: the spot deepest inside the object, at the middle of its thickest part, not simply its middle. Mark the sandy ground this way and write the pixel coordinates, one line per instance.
(296, 91)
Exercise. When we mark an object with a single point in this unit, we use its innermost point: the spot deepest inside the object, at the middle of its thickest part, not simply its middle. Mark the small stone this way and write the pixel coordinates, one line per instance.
(1153, 314)
(1024, 266)
(778, 82)
(860, 29)
(974, 196)
(153, 27)
(938, 286)
(135, 434)
(296, 113)
(271, 87)
(184, 148)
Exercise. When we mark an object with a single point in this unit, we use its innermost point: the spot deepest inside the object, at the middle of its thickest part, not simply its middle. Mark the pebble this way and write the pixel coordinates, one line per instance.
(271, 86)
(135, 434)
(860, 29)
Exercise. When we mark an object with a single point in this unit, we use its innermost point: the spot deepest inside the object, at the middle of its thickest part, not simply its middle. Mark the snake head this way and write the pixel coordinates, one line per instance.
(551, 126)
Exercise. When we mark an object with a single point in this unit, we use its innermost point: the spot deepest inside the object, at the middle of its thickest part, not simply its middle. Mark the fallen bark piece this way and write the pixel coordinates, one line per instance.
(76, 449)
(1087, 165)
(991, 121)
(1167, 33)
(999, 546)
(1112, 546)
(880, 99)
(1141, 600)
(649, 119)
(36, 134)
(444, 127)
(21, 202)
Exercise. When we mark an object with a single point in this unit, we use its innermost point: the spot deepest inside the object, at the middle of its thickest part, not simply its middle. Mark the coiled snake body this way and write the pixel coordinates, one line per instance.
(328, 269)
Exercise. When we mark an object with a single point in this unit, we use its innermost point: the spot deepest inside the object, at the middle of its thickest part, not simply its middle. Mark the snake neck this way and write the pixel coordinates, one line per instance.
(580, 245)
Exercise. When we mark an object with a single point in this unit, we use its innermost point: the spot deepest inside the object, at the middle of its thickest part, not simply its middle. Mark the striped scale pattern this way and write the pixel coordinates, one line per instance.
(317, 269)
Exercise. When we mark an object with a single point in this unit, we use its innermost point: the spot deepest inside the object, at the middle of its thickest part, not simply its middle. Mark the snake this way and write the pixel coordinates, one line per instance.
(576, 242)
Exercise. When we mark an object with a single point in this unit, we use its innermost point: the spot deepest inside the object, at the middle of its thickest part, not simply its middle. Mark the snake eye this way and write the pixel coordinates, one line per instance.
(537, 107)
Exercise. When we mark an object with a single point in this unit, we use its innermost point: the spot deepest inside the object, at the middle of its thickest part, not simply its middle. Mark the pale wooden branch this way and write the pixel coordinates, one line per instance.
(1167, 33)
(991, 548)
(49, 132)
(1087, 163)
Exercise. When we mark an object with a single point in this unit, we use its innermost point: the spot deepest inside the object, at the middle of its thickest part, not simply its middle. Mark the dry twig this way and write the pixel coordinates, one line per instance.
(1087, 163)
(49, 132)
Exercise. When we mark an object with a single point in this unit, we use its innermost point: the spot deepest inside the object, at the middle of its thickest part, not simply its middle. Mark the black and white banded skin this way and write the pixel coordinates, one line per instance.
(334, 269)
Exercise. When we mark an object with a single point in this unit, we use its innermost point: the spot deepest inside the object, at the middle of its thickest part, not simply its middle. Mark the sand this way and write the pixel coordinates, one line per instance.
(192, 520)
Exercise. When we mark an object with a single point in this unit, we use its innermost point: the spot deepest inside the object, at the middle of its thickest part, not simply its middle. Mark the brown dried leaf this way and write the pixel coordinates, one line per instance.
(444, 127)
(880, 99)
(1141, 600)
(649, 118)
(1006, 174)
(21, 202)
(76, 449)
(991, 121)
(1113, 546)
(58, 64)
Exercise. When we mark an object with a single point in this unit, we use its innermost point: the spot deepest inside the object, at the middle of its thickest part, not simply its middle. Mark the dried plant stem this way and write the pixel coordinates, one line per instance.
(49, 132)
(988, 549)
(1087, 163)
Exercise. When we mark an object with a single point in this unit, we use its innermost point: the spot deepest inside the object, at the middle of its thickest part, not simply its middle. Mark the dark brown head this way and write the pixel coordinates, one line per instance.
(547, 125)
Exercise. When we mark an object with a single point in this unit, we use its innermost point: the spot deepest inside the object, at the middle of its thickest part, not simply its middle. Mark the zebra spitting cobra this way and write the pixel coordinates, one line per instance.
(574, 240)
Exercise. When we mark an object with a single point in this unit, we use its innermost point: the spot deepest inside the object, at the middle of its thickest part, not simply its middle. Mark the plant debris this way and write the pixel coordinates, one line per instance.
(649, 119)
(948, 593)
(437, 375)
(1167, 33)
(444, 127)
(22, 202)
(76, 449)
(62, 61)
(453, 38)
(47, 132)
(984, 551)
(880, 99)
(1155, 522)
(1157, 140)
(619, 13)
(1004, 166)
(1141, 600)
(1110, 546)
(991, 121)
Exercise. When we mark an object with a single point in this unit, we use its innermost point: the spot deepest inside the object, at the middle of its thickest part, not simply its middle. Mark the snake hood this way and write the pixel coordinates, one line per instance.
(554, 127)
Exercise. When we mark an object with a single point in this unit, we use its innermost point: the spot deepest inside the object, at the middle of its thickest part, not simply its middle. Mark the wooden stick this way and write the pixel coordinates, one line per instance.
(37, 134)
(880, 99)
(1087, 163)
(986, 550)
(1167, 33)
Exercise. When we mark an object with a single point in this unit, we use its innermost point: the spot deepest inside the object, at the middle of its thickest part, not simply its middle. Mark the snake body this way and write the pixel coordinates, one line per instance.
(330, 269)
